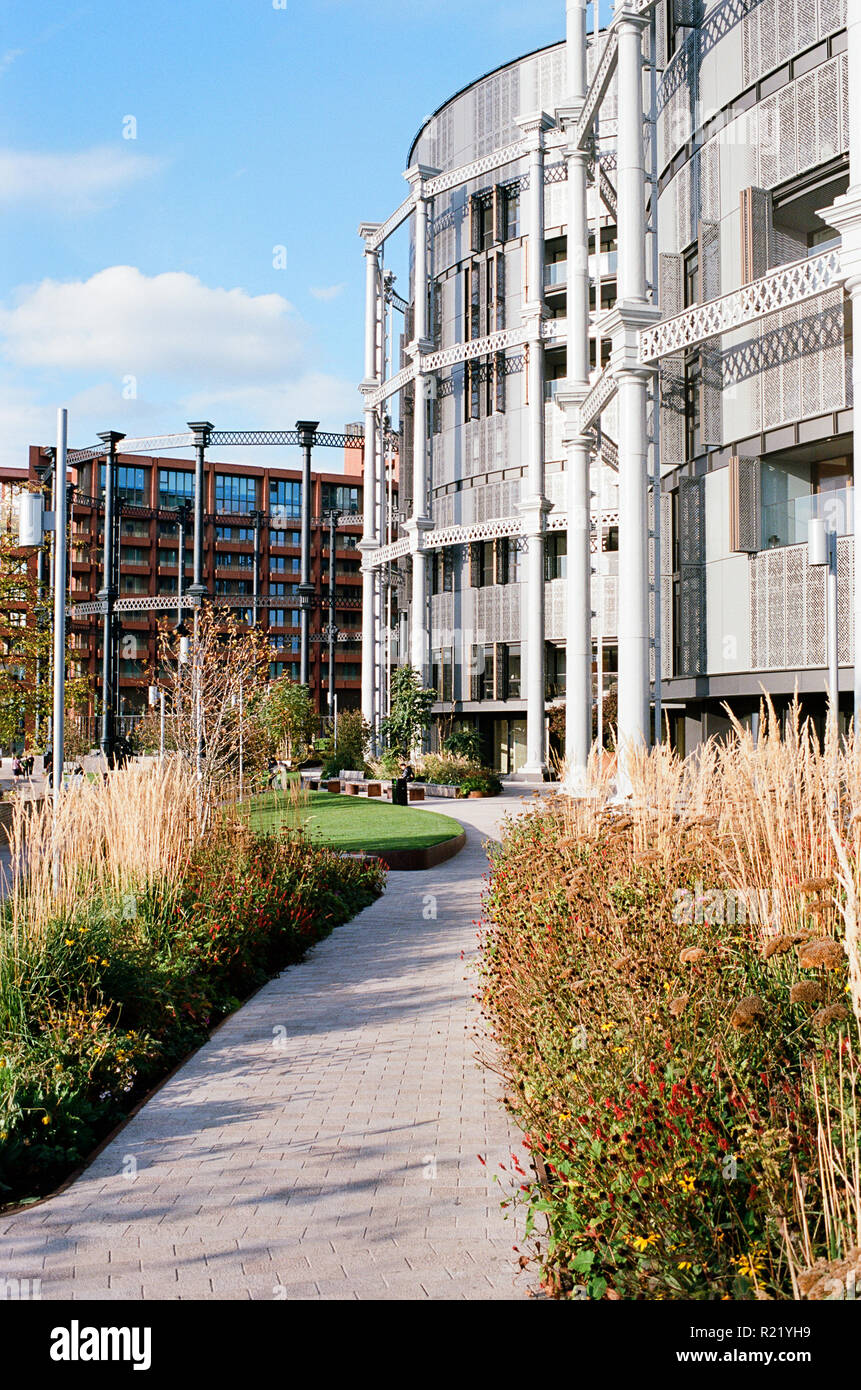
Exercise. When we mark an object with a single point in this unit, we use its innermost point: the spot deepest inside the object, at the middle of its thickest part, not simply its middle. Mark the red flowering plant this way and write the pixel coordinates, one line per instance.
(656, 1060)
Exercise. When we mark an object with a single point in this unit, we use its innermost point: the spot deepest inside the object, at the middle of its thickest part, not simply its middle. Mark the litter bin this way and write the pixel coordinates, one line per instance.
(399, 791)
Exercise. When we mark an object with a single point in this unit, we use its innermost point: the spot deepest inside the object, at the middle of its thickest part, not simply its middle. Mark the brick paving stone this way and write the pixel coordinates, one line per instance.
(342, 1164)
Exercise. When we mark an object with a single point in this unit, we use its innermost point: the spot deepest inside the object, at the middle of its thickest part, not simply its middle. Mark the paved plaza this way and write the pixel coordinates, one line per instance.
(325, 1142)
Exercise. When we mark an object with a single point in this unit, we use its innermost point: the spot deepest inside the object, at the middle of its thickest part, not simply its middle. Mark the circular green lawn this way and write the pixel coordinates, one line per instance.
(354, 823)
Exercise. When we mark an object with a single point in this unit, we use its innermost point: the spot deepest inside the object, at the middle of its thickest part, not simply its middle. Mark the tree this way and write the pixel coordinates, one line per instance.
(26, 648)
(410, 711)
(351, 744)
(464, 743)
(290, 719)
(215, 701)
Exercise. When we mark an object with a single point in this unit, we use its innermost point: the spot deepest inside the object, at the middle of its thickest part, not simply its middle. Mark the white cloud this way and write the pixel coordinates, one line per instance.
(79, 182)
(128, 323)
(327, 292)
(193, 352)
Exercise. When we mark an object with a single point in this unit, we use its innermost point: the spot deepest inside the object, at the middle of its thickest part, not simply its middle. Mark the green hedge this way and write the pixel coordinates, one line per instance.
(113, 995)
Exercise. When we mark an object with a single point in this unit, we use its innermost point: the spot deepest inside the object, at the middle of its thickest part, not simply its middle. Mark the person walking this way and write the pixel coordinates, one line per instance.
(17, 769)
(49, 766)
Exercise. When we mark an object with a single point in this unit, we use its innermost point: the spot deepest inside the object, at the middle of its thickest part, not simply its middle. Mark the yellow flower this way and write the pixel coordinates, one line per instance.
(69, 942)
(46, 1119)
(684, 1264)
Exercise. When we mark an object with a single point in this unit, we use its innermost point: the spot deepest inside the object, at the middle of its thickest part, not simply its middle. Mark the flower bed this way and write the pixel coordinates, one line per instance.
(680, 1066)
(110, 995)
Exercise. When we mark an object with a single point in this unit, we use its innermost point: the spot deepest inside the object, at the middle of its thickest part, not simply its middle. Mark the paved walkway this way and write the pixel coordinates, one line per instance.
(324, 1143)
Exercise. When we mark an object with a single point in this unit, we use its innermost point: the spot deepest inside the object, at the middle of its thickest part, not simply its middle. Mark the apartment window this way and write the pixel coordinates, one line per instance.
(284, 668)
(234, 560)
(611, 539)
(285, 537)
(235, 492)
(234, 533)
(285, 499)
(233, 586)
(513, 560)
(691, 268)
(442, 674)
(555, 555)
(512, 214)
(512, 691)
(134, 584)
(129, 481)
(488, 567)
(693, 385)
(284, 564)
(134, 555)
(483, 682)
(337, 498)
(174, 487)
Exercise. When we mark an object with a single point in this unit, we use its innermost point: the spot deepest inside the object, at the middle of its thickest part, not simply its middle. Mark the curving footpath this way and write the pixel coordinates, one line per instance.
(324, 1143)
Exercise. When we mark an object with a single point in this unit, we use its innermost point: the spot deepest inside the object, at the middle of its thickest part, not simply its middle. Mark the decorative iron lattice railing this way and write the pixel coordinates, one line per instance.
(779, 289)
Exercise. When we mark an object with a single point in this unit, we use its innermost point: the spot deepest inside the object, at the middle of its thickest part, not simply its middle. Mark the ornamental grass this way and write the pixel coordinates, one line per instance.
(120, 953)
(673, 988)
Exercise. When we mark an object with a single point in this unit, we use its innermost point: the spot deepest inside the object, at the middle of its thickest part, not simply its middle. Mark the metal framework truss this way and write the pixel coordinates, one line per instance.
(446, 537)
(779, 289)
(234, 438)
(165, 603)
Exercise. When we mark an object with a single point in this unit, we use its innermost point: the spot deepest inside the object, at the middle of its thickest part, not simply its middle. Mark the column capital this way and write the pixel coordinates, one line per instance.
(534, 510)
(111, 438)
(306, 429)
(567, 117)
(416, 176)
(416, 349)
(844, 214)
(201, 429)
(417, 528)
(629, 18)
(623, 324)
(533, 126)
(367, 231)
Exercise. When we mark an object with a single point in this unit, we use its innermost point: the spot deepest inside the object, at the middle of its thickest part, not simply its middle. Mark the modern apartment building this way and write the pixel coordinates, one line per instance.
(251, 553)
(627, 379)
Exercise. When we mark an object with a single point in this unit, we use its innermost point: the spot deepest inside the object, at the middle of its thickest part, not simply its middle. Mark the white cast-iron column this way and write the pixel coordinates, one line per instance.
(845, 215)
(370, 541)
(631, 313)
(533, 504)
(578, 680)
(420, 522)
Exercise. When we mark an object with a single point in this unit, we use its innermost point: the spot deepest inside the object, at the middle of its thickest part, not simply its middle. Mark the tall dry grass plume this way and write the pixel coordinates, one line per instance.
(779, 815)
(135, 827)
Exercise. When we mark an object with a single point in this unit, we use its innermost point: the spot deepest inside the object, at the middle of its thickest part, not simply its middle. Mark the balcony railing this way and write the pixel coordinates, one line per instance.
(786, 522)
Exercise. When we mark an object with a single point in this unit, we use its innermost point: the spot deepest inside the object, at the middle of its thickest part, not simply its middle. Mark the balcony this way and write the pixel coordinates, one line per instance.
(786, 522)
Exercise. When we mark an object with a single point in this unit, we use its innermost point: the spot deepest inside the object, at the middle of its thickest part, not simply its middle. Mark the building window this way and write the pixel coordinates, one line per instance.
(693, 384)
(285, 537)
(174, 487)
(235, 492)
(692, 276)
(512, 691)
(129, 481)
(611, 538)
(512, 213)
(234, 533)
(234, 560)
(555, 555)
(233, 586)
(134, 555)
(284, 564)
(337, 498)
(285, 500)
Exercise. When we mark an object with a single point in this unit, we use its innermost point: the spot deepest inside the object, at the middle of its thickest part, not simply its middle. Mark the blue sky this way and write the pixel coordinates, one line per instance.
(137, 275)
